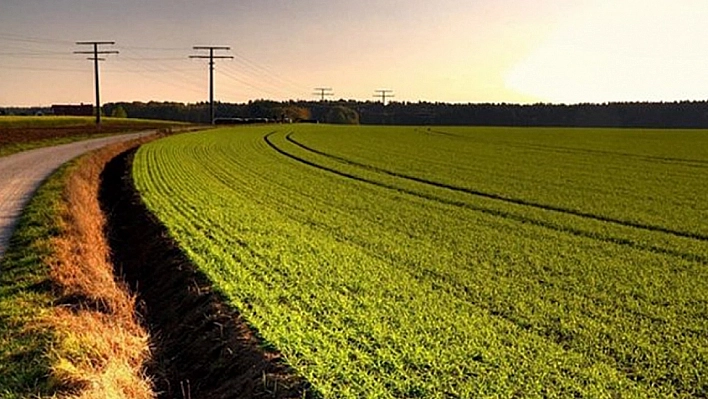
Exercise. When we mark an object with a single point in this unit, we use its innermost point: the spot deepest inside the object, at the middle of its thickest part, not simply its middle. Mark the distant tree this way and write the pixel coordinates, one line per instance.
(262, 109)
(119, 112)
(685, 114)
(341, 115)
(295, 113)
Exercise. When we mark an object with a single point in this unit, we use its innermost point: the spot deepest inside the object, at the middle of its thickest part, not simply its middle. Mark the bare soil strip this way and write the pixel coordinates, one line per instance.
(202, 347)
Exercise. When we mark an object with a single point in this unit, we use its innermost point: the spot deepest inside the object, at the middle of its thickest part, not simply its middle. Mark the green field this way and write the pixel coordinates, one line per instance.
(453, 262)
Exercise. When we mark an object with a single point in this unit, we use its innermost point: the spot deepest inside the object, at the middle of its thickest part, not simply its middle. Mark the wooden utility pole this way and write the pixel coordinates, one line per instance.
(383, 94)
(211, 57)
(95, 60)
(323, 92)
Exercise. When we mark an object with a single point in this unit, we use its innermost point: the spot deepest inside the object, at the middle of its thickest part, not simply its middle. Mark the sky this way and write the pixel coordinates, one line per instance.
(460, 51)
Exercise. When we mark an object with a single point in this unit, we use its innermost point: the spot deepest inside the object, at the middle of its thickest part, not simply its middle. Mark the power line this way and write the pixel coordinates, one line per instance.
(267, 72)
(158, 76)
(158, 69)
(139, 48)
(32, 50)
(163, 72)
(155, 58)
(261, 83)
(150, 64)
(211, 58)
(44, 69)
(323, 92)
(383, 94)
(33, 53)
(34, 57)
(31, 39)
(95, 60)
(234, 77)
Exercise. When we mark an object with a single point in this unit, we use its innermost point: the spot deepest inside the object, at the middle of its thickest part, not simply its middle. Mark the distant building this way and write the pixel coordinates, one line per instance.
(73, 110)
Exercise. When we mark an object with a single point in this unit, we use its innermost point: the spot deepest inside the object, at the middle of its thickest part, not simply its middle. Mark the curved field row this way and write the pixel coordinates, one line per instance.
(700, 163)
(591, 179)
(650, 238)
(501, 198)
(373, 285)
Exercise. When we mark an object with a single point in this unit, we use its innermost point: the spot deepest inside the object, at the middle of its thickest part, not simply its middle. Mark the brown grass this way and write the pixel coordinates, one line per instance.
(101, 348)
(202, 346)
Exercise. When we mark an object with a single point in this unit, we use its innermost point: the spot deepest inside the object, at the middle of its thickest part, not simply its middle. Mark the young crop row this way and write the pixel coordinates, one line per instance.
(402, 262)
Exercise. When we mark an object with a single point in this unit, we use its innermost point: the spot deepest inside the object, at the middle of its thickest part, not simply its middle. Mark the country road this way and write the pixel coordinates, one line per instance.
(22, 173)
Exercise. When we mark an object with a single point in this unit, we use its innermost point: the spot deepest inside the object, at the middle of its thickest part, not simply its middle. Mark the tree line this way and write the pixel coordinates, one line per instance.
(683, 114)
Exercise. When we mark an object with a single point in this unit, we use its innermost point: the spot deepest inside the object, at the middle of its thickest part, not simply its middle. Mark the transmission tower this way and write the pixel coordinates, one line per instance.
(323, 92)
(211, 57)
(96, 52)
(383, 94)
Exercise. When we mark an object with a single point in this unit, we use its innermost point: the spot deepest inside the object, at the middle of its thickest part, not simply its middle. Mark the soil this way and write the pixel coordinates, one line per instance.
(202, 348)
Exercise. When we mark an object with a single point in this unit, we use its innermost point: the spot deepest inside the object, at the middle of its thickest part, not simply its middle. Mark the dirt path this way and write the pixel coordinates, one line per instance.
(21, 174)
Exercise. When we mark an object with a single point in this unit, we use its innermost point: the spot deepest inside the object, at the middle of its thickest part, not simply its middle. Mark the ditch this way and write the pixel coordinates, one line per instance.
(202, 348)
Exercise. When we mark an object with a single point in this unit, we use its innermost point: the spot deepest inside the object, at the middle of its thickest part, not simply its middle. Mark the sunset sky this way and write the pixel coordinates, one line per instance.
(516, 51)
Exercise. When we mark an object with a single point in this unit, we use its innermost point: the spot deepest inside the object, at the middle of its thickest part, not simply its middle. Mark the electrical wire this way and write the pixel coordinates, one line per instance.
(32, 39)
(256, 82)
(35, 56)
(151, 49)
(262, 69)
(154, 72)
(246, 83)
(42, 69)
(153, 77)
(182, 79)
(140, 61)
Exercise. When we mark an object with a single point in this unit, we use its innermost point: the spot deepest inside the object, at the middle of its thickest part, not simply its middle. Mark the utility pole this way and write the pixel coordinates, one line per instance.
(383, 94)
(95, 60)
(211, 58)
(323, 91)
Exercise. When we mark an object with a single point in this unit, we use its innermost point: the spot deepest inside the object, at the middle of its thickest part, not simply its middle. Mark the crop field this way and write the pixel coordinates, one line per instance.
(402, 262)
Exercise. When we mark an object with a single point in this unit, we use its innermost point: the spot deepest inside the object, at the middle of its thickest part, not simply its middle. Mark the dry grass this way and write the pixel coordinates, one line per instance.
(101, 348)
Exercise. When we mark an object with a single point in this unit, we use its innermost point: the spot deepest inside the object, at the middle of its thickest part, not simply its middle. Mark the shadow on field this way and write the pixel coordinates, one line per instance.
(202, 348)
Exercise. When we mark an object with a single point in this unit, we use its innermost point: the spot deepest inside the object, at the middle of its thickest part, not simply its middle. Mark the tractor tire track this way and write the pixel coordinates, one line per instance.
(694, 163)
(516, 201)
(493, 212)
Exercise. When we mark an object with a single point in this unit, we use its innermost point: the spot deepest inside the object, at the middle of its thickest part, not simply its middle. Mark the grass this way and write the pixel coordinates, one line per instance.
(26, 298)
(43, 121)
(24, 122)
(458, 262)
(68, 327)
(22, 133)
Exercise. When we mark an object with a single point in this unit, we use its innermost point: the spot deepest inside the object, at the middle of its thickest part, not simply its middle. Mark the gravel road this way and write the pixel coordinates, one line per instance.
(22, 173)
